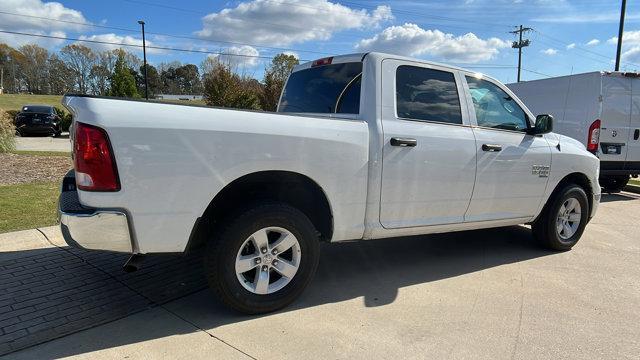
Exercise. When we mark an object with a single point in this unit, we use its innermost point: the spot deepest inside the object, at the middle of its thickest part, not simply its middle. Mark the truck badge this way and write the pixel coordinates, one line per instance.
(540, 170)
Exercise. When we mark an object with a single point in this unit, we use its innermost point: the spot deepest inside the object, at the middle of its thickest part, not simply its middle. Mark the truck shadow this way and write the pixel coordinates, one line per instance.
(374, 270)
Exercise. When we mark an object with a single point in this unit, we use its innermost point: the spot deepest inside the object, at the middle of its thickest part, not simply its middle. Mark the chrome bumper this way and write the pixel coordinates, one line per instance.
(88, 228)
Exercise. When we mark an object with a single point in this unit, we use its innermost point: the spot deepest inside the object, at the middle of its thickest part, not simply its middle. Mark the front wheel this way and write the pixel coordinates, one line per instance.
(563, 219)
(263, 259)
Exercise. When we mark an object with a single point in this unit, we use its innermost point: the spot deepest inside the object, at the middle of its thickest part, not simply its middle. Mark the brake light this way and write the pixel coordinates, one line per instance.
(93, 159)
(594, 136)
(323, 61)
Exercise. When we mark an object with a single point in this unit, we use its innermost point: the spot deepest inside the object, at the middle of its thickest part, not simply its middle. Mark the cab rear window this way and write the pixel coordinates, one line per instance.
(37, 109)
(331, 88)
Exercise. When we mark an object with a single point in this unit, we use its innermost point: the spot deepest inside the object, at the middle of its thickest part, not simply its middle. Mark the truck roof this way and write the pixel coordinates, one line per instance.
(356, 57)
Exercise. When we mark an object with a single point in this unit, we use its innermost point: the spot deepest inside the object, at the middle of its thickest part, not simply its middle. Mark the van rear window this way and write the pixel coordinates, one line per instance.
(324, 89)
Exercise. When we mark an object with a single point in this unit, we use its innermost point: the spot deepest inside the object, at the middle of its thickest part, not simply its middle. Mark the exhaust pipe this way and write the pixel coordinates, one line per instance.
(133, 264)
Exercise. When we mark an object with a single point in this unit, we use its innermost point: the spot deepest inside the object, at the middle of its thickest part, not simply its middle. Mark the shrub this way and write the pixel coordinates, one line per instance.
(65, 118)
(7, 132)
(12, 114)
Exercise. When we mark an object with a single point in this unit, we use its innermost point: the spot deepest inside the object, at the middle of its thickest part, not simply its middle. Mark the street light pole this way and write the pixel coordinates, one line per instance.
(620, 32)
(144, 54)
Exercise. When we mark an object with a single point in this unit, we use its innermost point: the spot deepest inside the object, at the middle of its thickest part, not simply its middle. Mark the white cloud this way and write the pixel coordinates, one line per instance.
(243, 56)
(51, 10)
(284, 22)
(114, 41)
(292, 53)
(550, 51)
(571, 46)
(593, 42)
(410, 39)
(630, 45)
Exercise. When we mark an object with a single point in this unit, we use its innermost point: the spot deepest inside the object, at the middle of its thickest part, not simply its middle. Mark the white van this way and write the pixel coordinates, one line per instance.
(601, 110)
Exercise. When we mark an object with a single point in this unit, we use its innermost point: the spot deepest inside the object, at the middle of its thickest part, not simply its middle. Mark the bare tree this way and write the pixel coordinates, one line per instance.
(102, 70)
(60, 78)
(34, 67)
(80, 59)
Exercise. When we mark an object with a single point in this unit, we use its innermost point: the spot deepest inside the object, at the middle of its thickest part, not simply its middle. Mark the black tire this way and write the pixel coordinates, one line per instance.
(545, 227)
(614, 184)
(226, 241)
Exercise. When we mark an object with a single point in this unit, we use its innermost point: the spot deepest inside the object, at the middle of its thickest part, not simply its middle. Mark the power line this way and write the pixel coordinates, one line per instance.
(536, 72)
(411, 14)
(163, 34)
(139, 46)
(468, 65)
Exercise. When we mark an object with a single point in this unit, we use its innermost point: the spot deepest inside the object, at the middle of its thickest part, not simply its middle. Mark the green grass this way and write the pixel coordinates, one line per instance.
(27, 206)
(41, 153)
(634, 182)
(17, 101)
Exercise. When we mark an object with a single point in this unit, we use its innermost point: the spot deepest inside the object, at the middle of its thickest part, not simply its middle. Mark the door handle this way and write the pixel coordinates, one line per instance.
(636, 134)
(491, 147)
(404, 142)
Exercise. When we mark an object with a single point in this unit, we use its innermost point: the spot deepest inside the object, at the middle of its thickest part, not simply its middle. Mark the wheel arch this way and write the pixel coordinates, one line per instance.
(289, 187)
(576, 178)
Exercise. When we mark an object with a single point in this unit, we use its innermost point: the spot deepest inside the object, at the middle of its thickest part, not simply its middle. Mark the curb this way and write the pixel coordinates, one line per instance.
(633, 189)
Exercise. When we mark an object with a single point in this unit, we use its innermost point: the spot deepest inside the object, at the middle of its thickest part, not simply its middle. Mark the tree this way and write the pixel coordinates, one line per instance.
(10, 63)
(188, 78)
(155, 84)
(123, 83)
(60, 77)
(274, 78)
(81, 60)
(102, 70)
(34, 67)
(222, 87)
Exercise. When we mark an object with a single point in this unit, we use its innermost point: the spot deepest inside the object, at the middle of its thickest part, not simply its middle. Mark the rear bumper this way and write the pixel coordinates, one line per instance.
(619, 167)
(38, 129)
(89, 228)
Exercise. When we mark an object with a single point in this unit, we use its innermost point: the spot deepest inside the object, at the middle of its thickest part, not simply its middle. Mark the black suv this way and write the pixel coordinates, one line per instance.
(38, 119)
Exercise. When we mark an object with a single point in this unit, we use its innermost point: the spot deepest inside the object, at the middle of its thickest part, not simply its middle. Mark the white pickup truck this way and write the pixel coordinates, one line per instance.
(362, 146)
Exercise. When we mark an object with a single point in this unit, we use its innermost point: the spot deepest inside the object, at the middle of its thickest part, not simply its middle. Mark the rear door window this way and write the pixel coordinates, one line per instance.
(331, 88)
(427, 94)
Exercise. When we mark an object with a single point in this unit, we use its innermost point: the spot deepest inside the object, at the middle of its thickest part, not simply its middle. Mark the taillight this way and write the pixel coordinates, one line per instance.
(94, 163)
(594, 136)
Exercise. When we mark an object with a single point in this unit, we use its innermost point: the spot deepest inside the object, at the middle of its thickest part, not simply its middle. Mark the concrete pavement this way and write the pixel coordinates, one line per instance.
(43, 143)
(482, 294)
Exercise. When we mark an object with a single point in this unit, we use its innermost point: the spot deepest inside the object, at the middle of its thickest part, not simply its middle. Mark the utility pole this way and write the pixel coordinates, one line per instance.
(144, 54)
(620, 31)
(520, 44)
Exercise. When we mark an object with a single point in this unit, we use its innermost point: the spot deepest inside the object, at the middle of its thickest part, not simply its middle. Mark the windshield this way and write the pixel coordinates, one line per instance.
(324, 89)
(37, 109)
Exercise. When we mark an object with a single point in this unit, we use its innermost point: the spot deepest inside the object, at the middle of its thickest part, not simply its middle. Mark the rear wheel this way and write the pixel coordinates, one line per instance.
(563, 219)
(264, 258)
(614, 184)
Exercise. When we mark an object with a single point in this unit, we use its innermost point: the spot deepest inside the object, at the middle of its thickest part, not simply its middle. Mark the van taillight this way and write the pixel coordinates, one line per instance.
(93, 159)
(594, 136)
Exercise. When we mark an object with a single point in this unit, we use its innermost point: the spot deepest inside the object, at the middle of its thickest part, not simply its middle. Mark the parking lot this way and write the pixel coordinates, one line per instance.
(43, 143)
(479, 294)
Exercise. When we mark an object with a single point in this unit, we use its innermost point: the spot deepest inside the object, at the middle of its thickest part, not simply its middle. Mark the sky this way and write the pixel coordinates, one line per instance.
(568, 36)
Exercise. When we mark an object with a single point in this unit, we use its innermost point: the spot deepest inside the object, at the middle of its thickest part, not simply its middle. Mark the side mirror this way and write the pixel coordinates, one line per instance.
(544, 125)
